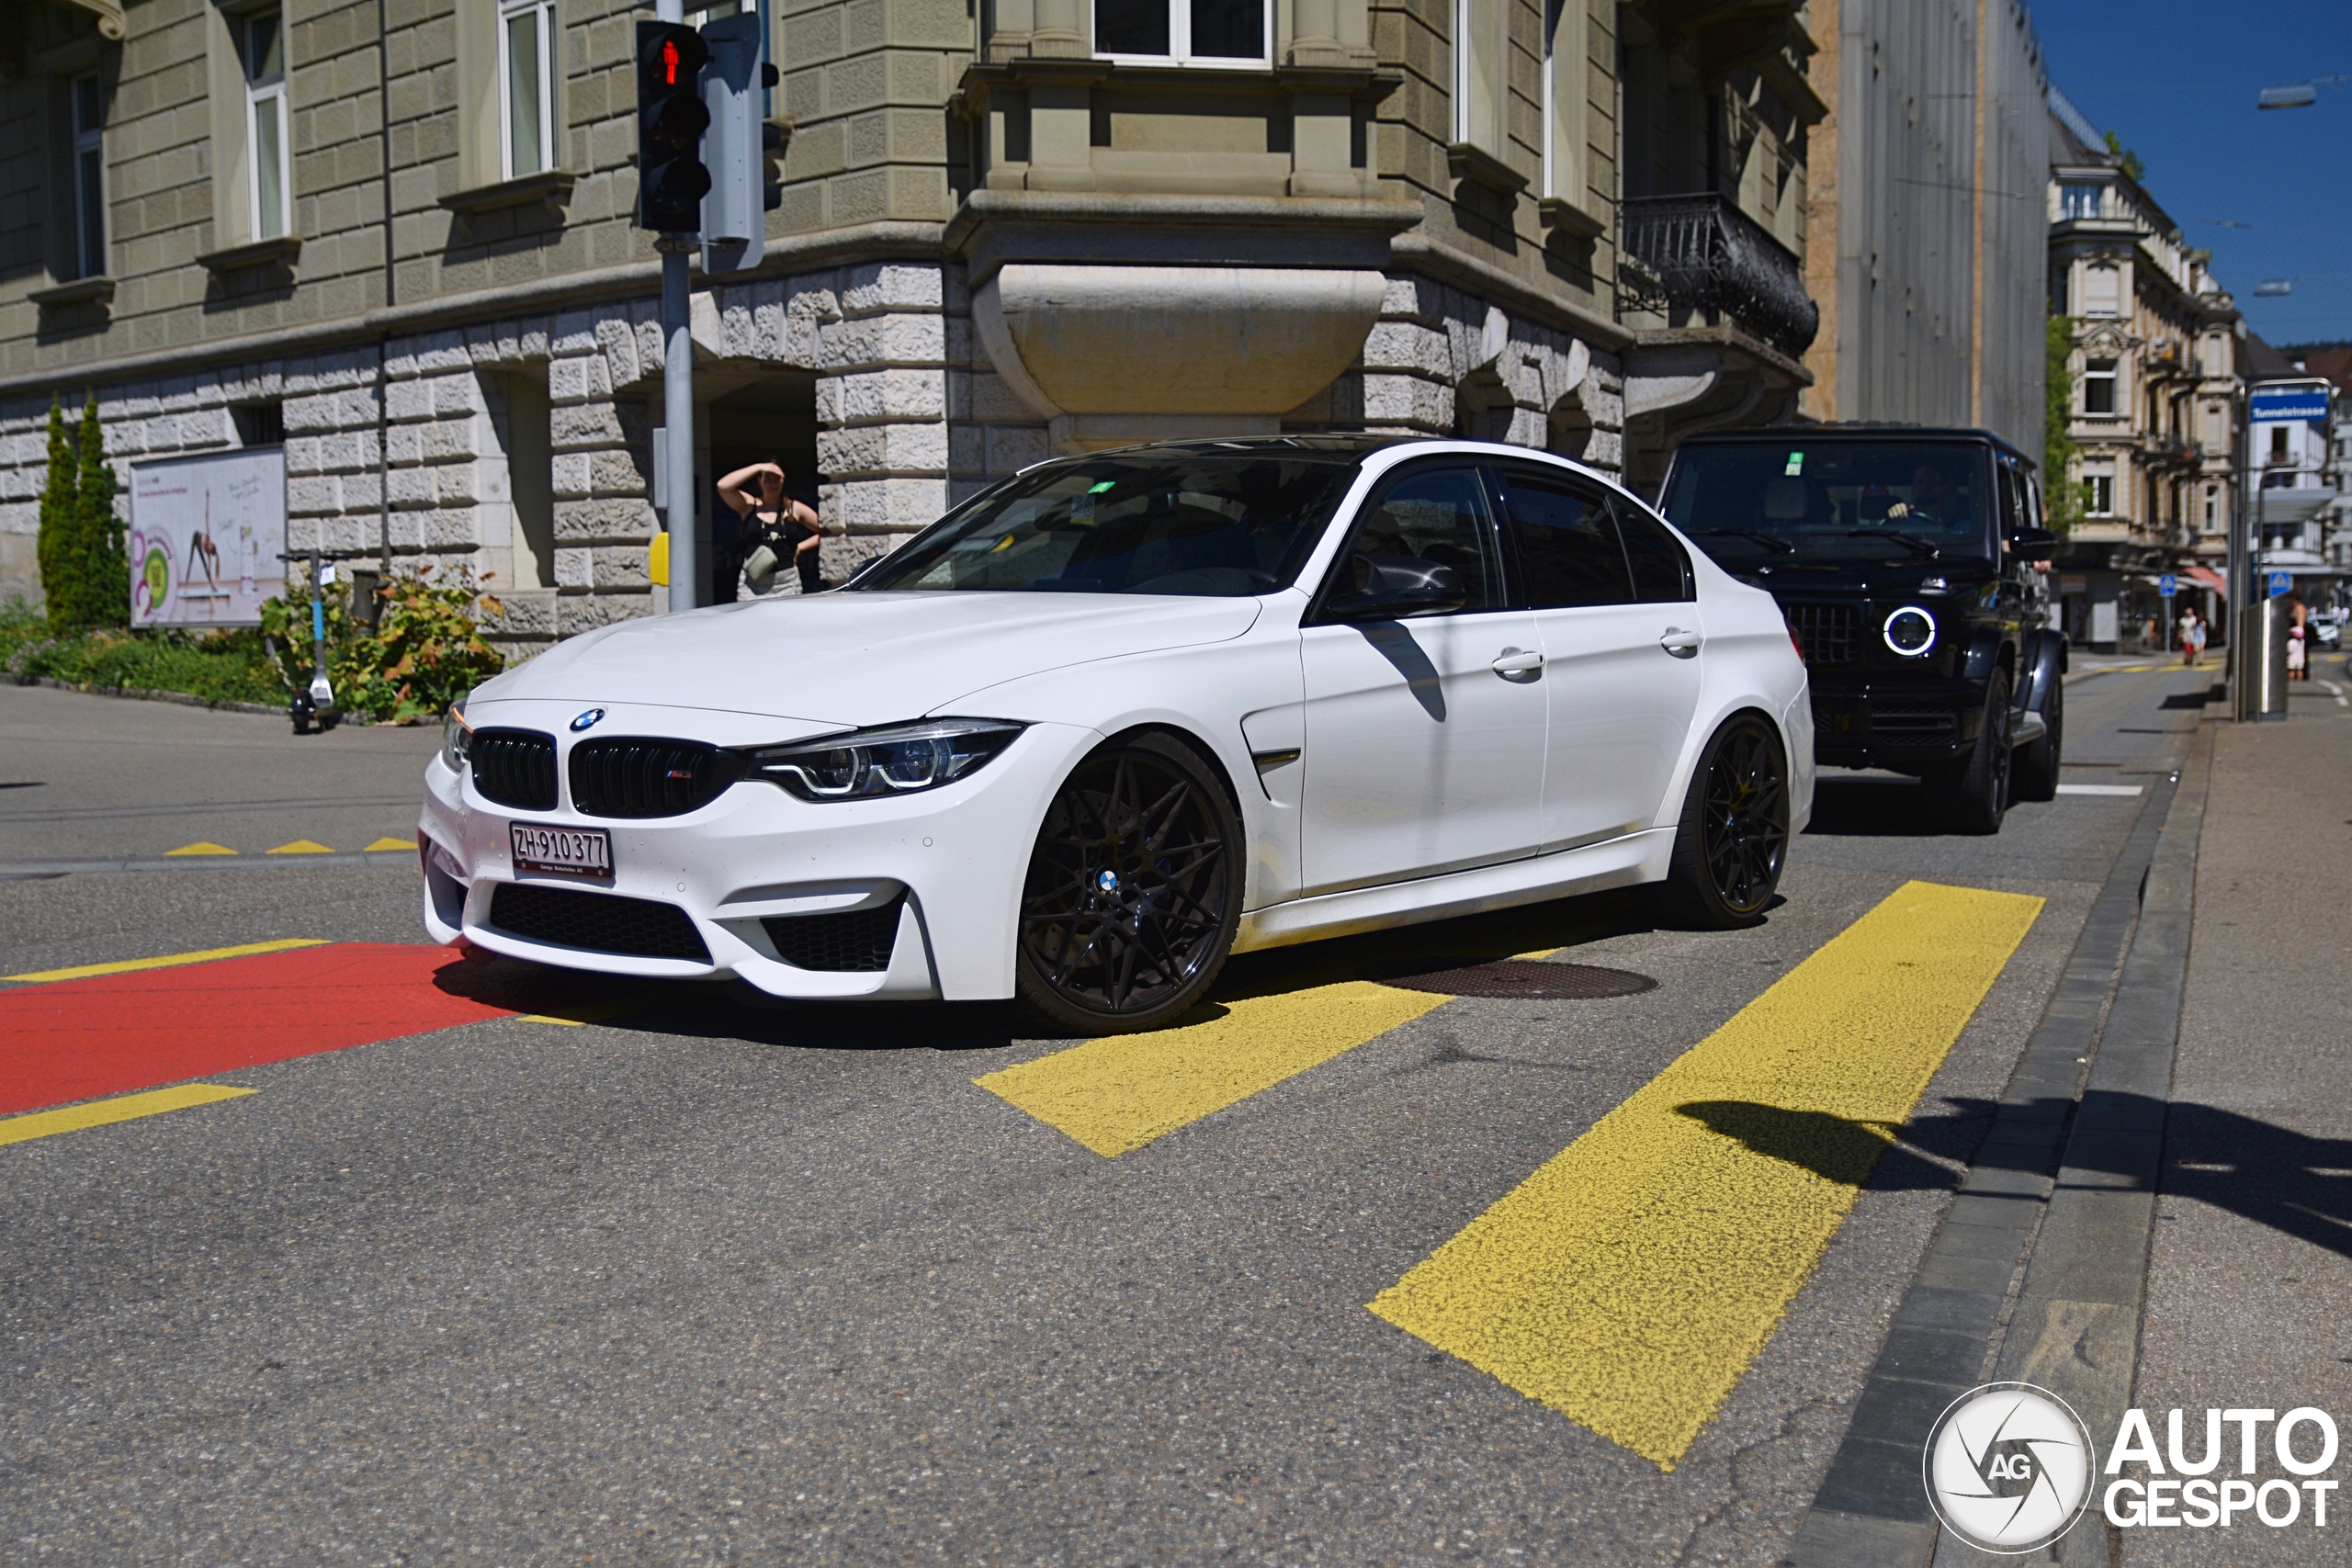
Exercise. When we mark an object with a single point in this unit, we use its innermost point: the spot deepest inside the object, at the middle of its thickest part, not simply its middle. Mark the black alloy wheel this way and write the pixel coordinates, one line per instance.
(2036, 775)
(1975, 793)
(1134, 890)
(1733, 840)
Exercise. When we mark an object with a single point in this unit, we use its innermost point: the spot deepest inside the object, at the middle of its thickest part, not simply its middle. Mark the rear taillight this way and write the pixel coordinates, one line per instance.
(1795, 641)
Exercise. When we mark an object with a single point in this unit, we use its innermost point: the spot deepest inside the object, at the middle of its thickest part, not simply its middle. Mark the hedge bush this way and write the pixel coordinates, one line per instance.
(84, 575)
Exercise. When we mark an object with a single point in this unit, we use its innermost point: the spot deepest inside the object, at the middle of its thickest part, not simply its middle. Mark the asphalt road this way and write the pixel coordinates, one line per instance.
(699, 1282)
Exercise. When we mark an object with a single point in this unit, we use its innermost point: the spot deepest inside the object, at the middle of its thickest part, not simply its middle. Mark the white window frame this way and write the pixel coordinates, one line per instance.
(543, 11)
(89, 196)
(1555, 17)
(1179, 42)
(1491, 139)
(258, 91)
(2099, 499)
(2070, 195)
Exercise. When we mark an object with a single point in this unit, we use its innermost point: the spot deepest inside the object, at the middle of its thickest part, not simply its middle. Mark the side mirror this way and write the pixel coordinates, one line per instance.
(1390, 588)
(2028, 541)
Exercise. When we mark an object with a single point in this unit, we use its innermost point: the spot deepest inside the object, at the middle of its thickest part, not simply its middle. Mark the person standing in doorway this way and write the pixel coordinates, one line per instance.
(781, 529)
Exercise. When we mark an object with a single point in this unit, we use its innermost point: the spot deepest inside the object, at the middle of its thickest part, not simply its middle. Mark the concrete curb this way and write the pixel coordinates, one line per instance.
(2024, 1209)
(40, 870)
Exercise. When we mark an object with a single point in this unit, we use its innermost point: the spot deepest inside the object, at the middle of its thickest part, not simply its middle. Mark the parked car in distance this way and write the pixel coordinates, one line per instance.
(1126, 714)
(1901, 558)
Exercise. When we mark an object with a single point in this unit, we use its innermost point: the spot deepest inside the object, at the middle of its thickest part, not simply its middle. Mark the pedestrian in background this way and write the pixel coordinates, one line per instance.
(2298, 649)
(2192, 636)
(782, 529)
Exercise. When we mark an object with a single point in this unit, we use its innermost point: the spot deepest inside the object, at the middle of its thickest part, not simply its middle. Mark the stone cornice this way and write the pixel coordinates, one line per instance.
(794, 254)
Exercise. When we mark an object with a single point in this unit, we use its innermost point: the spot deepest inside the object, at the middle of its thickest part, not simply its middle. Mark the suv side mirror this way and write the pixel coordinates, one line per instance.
(1390, 588)
(2031, 541)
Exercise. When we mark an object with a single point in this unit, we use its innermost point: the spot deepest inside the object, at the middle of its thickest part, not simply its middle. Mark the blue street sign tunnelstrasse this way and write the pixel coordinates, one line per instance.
(2274, 403)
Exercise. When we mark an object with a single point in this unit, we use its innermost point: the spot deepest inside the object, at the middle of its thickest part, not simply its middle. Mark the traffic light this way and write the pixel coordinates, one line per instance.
(740, 145)
(671, 118)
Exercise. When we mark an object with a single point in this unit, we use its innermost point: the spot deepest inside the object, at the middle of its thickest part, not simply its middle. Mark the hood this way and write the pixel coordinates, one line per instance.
(856, 659)
(1902, 578)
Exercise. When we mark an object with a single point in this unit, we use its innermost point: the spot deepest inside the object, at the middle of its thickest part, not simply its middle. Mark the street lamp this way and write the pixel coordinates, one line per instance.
(2296, 95)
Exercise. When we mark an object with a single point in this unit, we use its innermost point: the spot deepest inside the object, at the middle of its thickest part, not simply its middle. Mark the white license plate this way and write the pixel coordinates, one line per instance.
(567, 852)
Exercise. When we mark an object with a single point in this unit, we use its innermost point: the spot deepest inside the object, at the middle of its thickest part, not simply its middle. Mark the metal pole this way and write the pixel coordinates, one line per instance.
(678, 408)
(678, 393)
(2240, 598)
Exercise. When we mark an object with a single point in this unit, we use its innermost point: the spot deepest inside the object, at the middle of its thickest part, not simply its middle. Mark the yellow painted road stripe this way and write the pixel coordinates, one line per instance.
(121, 1108)
(125, 965)
(1118, 1094)
(391, 844)
(201, 847)
(304, 847)
(587, 1013)
(1629, 1282)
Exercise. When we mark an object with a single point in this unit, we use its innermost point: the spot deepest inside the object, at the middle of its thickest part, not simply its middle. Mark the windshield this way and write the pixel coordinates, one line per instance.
(1196, 524)
(1835, 499)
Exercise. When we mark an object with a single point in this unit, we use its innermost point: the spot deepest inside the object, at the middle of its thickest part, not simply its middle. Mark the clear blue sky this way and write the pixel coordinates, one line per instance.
(2177, 82)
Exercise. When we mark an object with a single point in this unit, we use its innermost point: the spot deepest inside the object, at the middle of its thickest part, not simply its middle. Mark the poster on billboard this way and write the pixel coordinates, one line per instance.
(206, 536)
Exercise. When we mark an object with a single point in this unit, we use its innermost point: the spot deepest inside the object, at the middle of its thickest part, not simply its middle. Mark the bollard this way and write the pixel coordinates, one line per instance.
(2267, 650)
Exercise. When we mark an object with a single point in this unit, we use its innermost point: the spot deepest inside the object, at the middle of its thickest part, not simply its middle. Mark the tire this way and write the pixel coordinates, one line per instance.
(1134, 891)
(2036, 769)
(1974, 793)
(1733, 838)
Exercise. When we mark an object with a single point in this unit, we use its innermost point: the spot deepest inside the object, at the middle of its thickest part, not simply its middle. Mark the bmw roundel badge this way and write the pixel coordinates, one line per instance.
(586, 719)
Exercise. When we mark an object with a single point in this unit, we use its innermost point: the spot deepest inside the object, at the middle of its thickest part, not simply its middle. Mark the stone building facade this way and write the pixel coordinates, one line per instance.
(2156, 370)
(393, 239)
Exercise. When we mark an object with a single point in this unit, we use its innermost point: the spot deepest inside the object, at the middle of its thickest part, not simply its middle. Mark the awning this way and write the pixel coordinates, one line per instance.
(2206, 577)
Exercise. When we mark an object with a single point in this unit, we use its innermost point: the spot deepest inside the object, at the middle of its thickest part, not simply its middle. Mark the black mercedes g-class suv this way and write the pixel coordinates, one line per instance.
(1903, 559)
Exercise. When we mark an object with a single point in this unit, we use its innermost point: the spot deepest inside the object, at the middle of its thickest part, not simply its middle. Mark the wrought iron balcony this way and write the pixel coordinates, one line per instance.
(1702, 253)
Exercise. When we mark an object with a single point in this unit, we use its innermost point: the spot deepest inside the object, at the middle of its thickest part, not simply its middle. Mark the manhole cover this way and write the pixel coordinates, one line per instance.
(1520, 978)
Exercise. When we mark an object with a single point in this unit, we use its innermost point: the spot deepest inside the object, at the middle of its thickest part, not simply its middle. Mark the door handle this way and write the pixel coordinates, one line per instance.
(1680, 643)
(1518, 661)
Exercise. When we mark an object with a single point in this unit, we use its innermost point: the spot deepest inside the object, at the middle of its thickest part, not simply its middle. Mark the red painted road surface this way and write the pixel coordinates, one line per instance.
(71, 1040)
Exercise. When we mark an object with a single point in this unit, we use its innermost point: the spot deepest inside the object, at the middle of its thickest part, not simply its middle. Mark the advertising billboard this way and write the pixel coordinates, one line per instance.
(206, 536)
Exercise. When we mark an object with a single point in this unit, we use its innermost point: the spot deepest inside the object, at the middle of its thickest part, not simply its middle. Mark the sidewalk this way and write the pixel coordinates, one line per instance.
(2250, 1276)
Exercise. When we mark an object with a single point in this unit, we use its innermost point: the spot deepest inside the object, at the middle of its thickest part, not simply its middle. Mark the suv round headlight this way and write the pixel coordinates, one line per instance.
(1911, 631)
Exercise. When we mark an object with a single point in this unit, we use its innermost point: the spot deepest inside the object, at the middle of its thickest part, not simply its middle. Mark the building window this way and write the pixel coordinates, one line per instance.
(1480, 50)
(2099, 494)
(265, 119)
(2099, 387)
(2078, 201)
(526, 48)
(2102, 291)
(89, 179)
(1184, 31)
(2209, 509)
(1566, 66)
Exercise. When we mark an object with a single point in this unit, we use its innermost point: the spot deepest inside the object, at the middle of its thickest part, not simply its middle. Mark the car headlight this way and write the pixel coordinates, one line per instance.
(457, 738)
(1911, 631)
(898, 759)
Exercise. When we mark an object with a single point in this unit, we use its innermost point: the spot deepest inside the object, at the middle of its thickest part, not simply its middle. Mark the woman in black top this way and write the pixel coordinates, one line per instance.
(784, 528)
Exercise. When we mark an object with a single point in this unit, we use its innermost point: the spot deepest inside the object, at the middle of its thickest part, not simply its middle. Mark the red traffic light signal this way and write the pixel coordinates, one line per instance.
(671, 118)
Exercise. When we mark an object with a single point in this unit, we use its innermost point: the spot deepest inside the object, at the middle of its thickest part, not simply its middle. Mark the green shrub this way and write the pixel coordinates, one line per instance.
(83, 573)
(217, 666)
(426, 652)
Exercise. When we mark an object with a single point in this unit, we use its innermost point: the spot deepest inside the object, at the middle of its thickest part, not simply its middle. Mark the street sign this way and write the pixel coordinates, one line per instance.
(2168, 586)
(2280, 583)
(2274, 403)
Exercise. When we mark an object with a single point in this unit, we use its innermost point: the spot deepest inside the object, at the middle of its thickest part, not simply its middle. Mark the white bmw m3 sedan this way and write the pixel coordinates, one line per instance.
(1126, 713)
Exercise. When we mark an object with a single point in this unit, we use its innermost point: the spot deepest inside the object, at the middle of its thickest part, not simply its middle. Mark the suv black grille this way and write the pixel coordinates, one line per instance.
(626, 776)
(514, 767)
(859, 940)
(600, 922)
(1897, 725)
(1826, 632)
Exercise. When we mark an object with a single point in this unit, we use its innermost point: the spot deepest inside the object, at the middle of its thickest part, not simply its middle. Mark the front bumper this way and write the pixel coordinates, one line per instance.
(951, 859)
(1862, 722)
